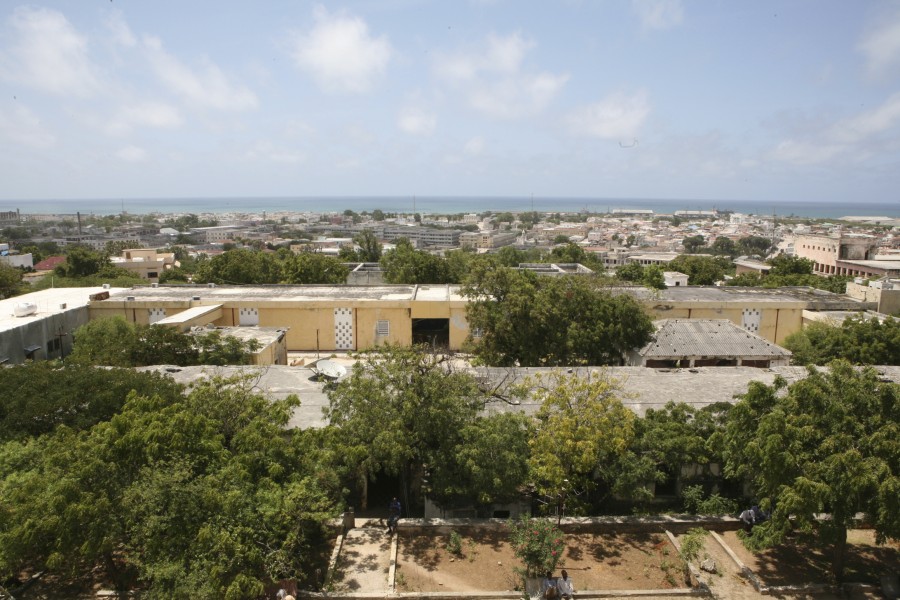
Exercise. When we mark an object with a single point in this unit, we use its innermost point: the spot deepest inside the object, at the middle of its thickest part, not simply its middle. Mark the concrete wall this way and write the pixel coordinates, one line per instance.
(58, 326)
(887, 301)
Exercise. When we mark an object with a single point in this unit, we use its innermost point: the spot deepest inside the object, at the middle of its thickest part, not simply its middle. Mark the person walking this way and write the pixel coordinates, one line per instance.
(394, 510)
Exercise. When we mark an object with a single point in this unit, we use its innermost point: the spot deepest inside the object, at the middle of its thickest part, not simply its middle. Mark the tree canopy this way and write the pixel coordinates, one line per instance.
(118, 343)
(10, 281)
(200, 496)
(701, 270)
(529, 320)
(827, 443)
(859, 340)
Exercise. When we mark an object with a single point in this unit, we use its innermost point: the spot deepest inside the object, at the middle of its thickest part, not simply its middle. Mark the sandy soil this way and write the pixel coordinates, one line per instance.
(802, 561)
(594, 561)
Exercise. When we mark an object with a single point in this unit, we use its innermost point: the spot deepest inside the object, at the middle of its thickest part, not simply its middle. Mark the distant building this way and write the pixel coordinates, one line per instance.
(10, 218)
(487, 239)
(632, 212)
(830, 255)
(424, 236)
(675, 279)
(746, 265)
(555, 270)
(145, 263)
(25, 261)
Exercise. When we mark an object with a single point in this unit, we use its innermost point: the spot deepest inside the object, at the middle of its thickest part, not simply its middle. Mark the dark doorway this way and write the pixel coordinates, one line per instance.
(434, 332)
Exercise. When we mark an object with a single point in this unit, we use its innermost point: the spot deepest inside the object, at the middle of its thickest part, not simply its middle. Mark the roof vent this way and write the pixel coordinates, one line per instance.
(62, 306)
(130, 298)
(210, 285)
(195, 298)
(154, 285)
(105, 286)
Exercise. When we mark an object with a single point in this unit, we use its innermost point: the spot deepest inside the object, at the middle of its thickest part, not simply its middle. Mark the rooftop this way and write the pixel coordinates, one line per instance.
(48, 302)
(713, 337)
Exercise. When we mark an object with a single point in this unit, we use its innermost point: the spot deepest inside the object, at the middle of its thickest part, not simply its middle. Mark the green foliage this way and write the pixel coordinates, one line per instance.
(313, 267)
(827, 443)
(580, 426)
(454, 543)
(187, 222)
(724, 246)
(701, 270)
(860, 340)
(538, 543)
(754, 245)
(405, 264)
(490, 463)
(694, 244)
(790, 265)
(551, 321)
(561, 239)
(10, 281)
(204, 496)
(401, 408)
(239, 266)
(630, 272)
(41, 396)
(692, 544)
(653, 278)
(81, 261)
(118, 343)
(715, 505)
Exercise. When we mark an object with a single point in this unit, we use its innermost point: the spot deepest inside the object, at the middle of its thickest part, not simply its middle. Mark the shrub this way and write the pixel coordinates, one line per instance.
(454, 543)
(692, 543)
(538, 543)
(695, 504)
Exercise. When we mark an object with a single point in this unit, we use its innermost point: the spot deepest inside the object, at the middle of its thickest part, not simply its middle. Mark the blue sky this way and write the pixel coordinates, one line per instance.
(709, 99)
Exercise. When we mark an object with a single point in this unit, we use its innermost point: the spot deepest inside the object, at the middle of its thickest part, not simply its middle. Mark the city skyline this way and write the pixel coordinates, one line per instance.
(647, 99)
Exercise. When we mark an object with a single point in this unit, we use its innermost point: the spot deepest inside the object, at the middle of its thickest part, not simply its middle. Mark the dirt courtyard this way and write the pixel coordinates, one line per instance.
(595, 561)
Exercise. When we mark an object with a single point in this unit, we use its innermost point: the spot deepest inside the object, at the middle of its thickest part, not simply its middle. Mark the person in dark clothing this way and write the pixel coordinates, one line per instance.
(393, 515)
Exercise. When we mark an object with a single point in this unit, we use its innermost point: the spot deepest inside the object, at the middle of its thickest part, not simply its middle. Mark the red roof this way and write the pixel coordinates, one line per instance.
(48, 264)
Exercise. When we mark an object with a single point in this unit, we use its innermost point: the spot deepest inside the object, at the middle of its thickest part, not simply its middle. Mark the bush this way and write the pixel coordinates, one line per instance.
(692, 543)
(454, 543)
(538, 543)
(695, 504)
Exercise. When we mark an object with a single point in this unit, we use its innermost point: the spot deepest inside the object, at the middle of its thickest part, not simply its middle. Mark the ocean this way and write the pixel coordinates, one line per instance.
(441, 205)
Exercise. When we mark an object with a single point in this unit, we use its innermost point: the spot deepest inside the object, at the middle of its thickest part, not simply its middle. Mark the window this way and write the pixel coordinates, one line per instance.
(382, 328)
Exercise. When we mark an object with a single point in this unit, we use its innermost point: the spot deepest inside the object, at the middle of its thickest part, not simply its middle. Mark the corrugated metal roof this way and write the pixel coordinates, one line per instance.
(676, 338)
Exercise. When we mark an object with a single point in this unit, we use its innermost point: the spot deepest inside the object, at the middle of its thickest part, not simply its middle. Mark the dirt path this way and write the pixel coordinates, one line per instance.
(730, 585)
(364, 561)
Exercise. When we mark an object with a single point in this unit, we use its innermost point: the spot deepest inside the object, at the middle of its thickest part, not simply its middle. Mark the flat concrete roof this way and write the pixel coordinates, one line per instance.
(676, 338)
(810, 297)
(264, 335)
(274, 293)
(643, 388)
(189, 314)
(48, 303)
(889, 265)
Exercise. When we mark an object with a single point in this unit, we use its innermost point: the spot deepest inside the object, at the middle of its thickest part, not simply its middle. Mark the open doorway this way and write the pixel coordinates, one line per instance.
(434, 332)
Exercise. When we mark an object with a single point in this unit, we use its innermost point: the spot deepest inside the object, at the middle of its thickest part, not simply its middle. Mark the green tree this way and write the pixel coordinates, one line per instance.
(377, 215)
(530, 320)
(206, 496)
(654, 278)
(116, 248)
(10, 281)
(790, 265)
(630, 272)
(858, 340)
(81, 261)
(488, 466)
(754, 245)
(580, 426)
(724, 246)
(239, 267)
(561, 239)
(38, 397)
(369, 246)
(701, 270)
(693, 244)
(405, 264)
(398, 409)
(314, 267)
(828, 443)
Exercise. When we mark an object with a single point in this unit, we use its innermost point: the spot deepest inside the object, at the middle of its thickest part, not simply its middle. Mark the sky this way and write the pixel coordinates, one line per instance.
(788, 100)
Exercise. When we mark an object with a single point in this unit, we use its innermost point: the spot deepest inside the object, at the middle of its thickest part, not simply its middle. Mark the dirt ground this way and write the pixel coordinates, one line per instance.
(803, 561)
(594, 561)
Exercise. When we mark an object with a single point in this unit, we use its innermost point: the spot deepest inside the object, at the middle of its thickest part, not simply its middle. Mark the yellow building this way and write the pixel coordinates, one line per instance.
(145, 263)
(341, 318)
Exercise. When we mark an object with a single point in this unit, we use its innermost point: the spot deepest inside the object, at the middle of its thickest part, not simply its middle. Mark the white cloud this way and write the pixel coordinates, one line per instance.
(474, 147)
(146, 114)
(22, 126)
(881, 44)
(491, 77)
(49, 54)
(267, 151)
(132, 154)
(850, 136)
(415, 121)
(658, 14)
(616, 117)
(340, 54)
(120, 31)
(206, 86)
